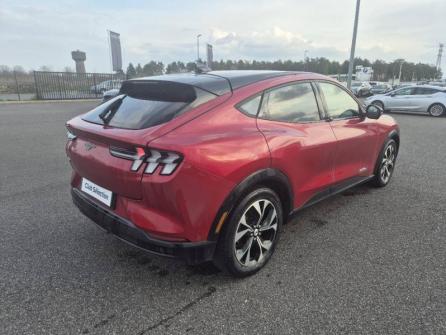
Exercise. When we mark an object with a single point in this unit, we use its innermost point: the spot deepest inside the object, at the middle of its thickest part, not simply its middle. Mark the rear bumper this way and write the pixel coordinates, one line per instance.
(191, 252)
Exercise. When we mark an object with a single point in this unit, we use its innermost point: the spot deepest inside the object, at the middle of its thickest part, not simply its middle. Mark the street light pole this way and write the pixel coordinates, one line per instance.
(198, 47)
(352, 50)
(399, 76)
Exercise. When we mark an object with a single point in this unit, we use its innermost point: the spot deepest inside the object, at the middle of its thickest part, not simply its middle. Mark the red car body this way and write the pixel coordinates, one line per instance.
(224, 151)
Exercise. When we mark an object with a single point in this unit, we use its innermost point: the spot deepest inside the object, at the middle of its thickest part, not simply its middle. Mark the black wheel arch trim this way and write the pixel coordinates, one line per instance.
(261, 178)
(394, 135)
(377, 100)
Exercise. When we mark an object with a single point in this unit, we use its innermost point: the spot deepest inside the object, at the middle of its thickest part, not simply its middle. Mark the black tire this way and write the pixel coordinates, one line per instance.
(378, 103)
(225, 256)
(383, 177)
(436, 110)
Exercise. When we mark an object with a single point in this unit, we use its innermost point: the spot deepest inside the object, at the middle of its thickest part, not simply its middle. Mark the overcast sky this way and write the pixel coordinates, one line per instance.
(44, 32)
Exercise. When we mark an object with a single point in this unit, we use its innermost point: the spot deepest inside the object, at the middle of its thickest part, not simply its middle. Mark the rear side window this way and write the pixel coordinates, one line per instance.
(146, 110)
(425, 90)
(340, 105)
(291, 103)
(251, 106)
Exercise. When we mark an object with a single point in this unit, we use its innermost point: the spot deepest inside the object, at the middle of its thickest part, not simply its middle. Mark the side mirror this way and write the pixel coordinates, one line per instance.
(392, 94)
(374, 112)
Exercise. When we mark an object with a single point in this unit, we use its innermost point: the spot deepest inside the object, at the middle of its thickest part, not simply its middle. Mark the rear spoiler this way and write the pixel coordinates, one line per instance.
(159, 90)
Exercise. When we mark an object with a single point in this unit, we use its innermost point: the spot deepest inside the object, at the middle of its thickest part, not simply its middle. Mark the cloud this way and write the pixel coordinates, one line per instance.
(44, 32)
(267, 44)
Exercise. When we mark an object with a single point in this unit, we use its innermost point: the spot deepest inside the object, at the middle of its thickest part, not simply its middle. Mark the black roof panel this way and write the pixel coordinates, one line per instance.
(239, 78)
(219, 82)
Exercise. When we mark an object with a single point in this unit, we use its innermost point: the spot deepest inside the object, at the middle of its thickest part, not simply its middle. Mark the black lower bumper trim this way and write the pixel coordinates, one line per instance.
(191, 252)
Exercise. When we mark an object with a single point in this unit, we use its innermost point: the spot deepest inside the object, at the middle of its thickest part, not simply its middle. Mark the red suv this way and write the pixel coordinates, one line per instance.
(209, 166)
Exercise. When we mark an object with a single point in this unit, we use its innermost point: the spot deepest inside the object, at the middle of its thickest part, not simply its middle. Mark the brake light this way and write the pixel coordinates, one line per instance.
(169, 161)
(137, 156)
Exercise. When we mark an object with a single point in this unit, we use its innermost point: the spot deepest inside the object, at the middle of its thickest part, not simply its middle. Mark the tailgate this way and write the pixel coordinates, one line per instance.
(91, 158)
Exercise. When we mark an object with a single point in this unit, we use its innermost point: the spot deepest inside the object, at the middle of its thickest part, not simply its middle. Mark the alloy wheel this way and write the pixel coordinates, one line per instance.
(256, 233)
(436, 110)
(387, 163)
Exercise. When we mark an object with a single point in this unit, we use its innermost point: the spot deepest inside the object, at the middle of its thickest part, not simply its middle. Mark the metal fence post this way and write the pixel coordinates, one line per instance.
(36, 86)
(60, 88)
(63, 86)
(94, 85)
(17, 85)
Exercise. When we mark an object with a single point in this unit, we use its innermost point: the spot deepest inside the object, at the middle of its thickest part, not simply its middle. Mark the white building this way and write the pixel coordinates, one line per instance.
(363, 73)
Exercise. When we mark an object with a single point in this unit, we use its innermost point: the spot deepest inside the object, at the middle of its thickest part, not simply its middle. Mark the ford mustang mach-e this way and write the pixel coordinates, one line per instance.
(209, 166)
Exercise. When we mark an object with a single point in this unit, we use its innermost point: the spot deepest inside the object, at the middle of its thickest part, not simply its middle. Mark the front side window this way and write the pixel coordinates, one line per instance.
(340, 105)
(291, 103)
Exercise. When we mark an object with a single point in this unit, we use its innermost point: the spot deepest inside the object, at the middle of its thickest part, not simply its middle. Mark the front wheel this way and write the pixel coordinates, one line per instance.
(436, 110)
(250, 235)
(378, 103)
(386, 164)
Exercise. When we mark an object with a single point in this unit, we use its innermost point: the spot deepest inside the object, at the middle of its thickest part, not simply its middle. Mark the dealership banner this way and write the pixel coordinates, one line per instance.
(210, 55)
(115, 49)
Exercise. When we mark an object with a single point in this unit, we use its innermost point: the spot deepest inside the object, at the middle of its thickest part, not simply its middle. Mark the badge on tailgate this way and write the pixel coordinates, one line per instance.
(102, 194)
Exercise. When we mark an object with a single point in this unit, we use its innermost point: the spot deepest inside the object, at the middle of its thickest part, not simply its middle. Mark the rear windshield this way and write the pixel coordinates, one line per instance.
(146, 110)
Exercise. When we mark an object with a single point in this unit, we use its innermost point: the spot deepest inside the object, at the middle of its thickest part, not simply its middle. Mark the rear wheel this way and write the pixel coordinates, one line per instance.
(386, 164)
(250, 235)
(436, 110)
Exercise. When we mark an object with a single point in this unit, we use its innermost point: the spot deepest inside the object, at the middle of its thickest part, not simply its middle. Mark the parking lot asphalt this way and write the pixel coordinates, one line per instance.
(368, 261)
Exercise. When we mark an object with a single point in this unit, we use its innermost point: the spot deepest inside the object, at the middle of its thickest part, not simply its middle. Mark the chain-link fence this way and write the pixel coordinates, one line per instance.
(43, 85)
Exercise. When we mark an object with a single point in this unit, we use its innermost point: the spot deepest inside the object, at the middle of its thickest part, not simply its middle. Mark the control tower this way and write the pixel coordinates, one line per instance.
(79, 57)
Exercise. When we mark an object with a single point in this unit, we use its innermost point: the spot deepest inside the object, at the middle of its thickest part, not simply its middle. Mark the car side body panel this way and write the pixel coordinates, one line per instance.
(304, 152)
(356, 140)
(421, 103)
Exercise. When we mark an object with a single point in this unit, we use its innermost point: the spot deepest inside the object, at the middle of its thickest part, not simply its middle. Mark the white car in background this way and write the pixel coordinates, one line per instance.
(106, 85)
(425, 98)
(110, 94)
(361, 89)
(381, 88)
